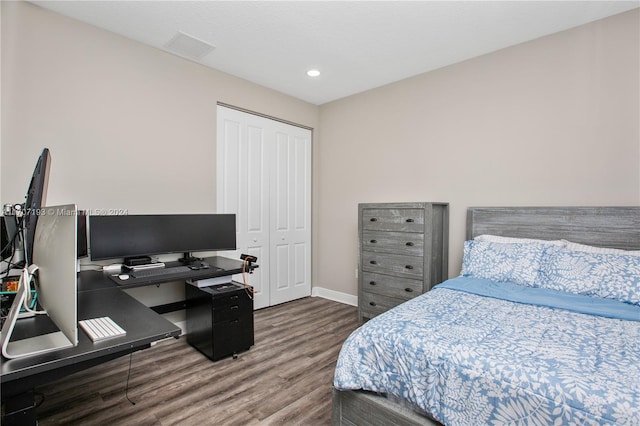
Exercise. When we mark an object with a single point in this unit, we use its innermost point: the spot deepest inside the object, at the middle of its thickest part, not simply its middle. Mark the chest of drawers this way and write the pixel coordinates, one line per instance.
(403, 252)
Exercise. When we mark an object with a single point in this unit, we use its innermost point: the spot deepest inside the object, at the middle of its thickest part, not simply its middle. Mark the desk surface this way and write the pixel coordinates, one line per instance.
(97, 297)
(218, 266)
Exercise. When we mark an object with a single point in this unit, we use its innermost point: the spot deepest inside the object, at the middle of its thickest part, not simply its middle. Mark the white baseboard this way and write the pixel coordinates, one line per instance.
(336, 296)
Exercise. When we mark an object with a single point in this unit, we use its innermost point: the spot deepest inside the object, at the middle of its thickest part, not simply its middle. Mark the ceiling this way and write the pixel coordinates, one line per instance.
(356, 45)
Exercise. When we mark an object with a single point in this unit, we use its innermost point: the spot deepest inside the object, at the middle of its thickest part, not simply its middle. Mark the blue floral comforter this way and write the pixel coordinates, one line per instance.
(470, 359)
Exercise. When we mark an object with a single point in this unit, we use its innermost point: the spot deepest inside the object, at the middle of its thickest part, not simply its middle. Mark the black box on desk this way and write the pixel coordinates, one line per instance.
(219, 319)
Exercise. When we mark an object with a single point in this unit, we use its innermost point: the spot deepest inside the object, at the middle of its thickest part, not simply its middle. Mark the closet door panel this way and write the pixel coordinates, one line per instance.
(228, 155)
(292, 218)
(264, 177)
(242, 185)
(255, 198)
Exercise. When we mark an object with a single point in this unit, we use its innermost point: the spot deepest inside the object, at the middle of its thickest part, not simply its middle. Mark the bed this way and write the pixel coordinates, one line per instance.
(542, 327)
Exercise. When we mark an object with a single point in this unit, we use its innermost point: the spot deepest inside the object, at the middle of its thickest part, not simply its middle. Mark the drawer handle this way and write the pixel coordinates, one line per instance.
(373, 219)
(409, 220)
(373, 241)
(234, 307)
(409, 244)
(373, 262)
(372, 283)
(372, 303)
(234, 297)
(409, 267)
(408, 290)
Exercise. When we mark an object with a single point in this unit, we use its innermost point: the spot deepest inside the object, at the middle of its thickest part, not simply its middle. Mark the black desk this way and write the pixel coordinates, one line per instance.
(218, 267)
(97, 297)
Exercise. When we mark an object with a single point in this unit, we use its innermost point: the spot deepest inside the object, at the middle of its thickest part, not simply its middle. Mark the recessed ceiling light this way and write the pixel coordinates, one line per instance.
(313, 73)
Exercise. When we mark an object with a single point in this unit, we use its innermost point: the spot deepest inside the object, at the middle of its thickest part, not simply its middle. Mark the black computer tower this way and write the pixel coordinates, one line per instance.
(219, 319)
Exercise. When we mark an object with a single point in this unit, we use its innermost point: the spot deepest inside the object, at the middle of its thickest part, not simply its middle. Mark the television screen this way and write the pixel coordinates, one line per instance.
(129, 236)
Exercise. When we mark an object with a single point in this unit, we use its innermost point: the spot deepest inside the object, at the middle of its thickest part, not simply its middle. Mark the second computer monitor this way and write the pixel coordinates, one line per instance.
(55, 255)
(130, 236)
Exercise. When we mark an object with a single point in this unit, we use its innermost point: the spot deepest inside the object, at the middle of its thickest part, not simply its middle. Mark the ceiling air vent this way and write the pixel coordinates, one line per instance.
(190, 47)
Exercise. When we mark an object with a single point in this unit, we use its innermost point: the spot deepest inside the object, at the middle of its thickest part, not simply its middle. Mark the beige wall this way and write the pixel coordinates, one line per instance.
(549, 122)
(129, 127)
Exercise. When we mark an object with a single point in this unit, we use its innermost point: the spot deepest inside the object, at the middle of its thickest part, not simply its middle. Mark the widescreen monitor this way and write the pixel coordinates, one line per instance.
(131, 236)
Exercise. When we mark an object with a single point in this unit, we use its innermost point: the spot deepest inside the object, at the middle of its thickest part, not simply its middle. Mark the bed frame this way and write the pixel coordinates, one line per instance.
(617, 227)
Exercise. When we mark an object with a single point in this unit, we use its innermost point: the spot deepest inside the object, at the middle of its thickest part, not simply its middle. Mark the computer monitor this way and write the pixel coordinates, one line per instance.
(55, 256)
(36, 198)
(83, 248)
(137, 236)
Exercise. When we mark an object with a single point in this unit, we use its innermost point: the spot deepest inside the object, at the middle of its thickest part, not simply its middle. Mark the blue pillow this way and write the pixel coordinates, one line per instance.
(605, 275)
(518, 263)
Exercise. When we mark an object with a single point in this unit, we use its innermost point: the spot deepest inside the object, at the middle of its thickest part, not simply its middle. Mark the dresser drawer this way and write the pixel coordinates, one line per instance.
(393, 264)
(374, 304)
(410, 243)
(405, 220)
(385, 285)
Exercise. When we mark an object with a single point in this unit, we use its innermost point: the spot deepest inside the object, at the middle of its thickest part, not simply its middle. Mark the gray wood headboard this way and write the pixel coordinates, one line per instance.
(617, 227)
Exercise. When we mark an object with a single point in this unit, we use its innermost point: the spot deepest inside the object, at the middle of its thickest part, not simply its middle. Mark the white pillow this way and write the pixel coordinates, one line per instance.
(512, 240)
(600, 250)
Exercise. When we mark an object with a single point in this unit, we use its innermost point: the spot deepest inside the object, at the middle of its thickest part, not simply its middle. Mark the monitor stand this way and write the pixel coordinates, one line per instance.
(187, 259)
(33, 345)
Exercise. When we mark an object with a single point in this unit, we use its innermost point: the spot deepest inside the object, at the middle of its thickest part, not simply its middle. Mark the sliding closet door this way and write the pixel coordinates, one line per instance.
(263, 176)
(242, 188)
(290, 214)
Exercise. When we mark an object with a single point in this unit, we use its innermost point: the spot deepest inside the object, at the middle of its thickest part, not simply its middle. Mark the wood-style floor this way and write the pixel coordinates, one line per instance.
(285, 379)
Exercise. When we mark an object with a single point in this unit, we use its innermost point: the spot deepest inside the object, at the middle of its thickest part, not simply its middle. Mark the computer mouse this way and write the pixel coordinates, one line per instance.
(123, 276)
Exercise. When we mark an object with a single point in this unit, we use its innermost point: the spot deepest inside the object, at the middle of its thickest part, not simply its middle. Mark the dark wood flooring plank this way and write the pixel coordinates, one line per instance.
(285, 378)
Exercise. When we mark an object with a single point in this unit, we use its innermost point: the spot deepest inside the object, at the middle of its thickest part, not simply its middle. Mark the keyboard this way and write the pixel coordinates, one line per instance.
(101, 328)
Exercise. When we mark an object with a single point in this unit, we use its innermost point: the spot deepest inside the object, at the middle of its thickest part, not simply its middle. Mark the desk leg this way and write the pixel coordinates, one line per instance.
(20, 409)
